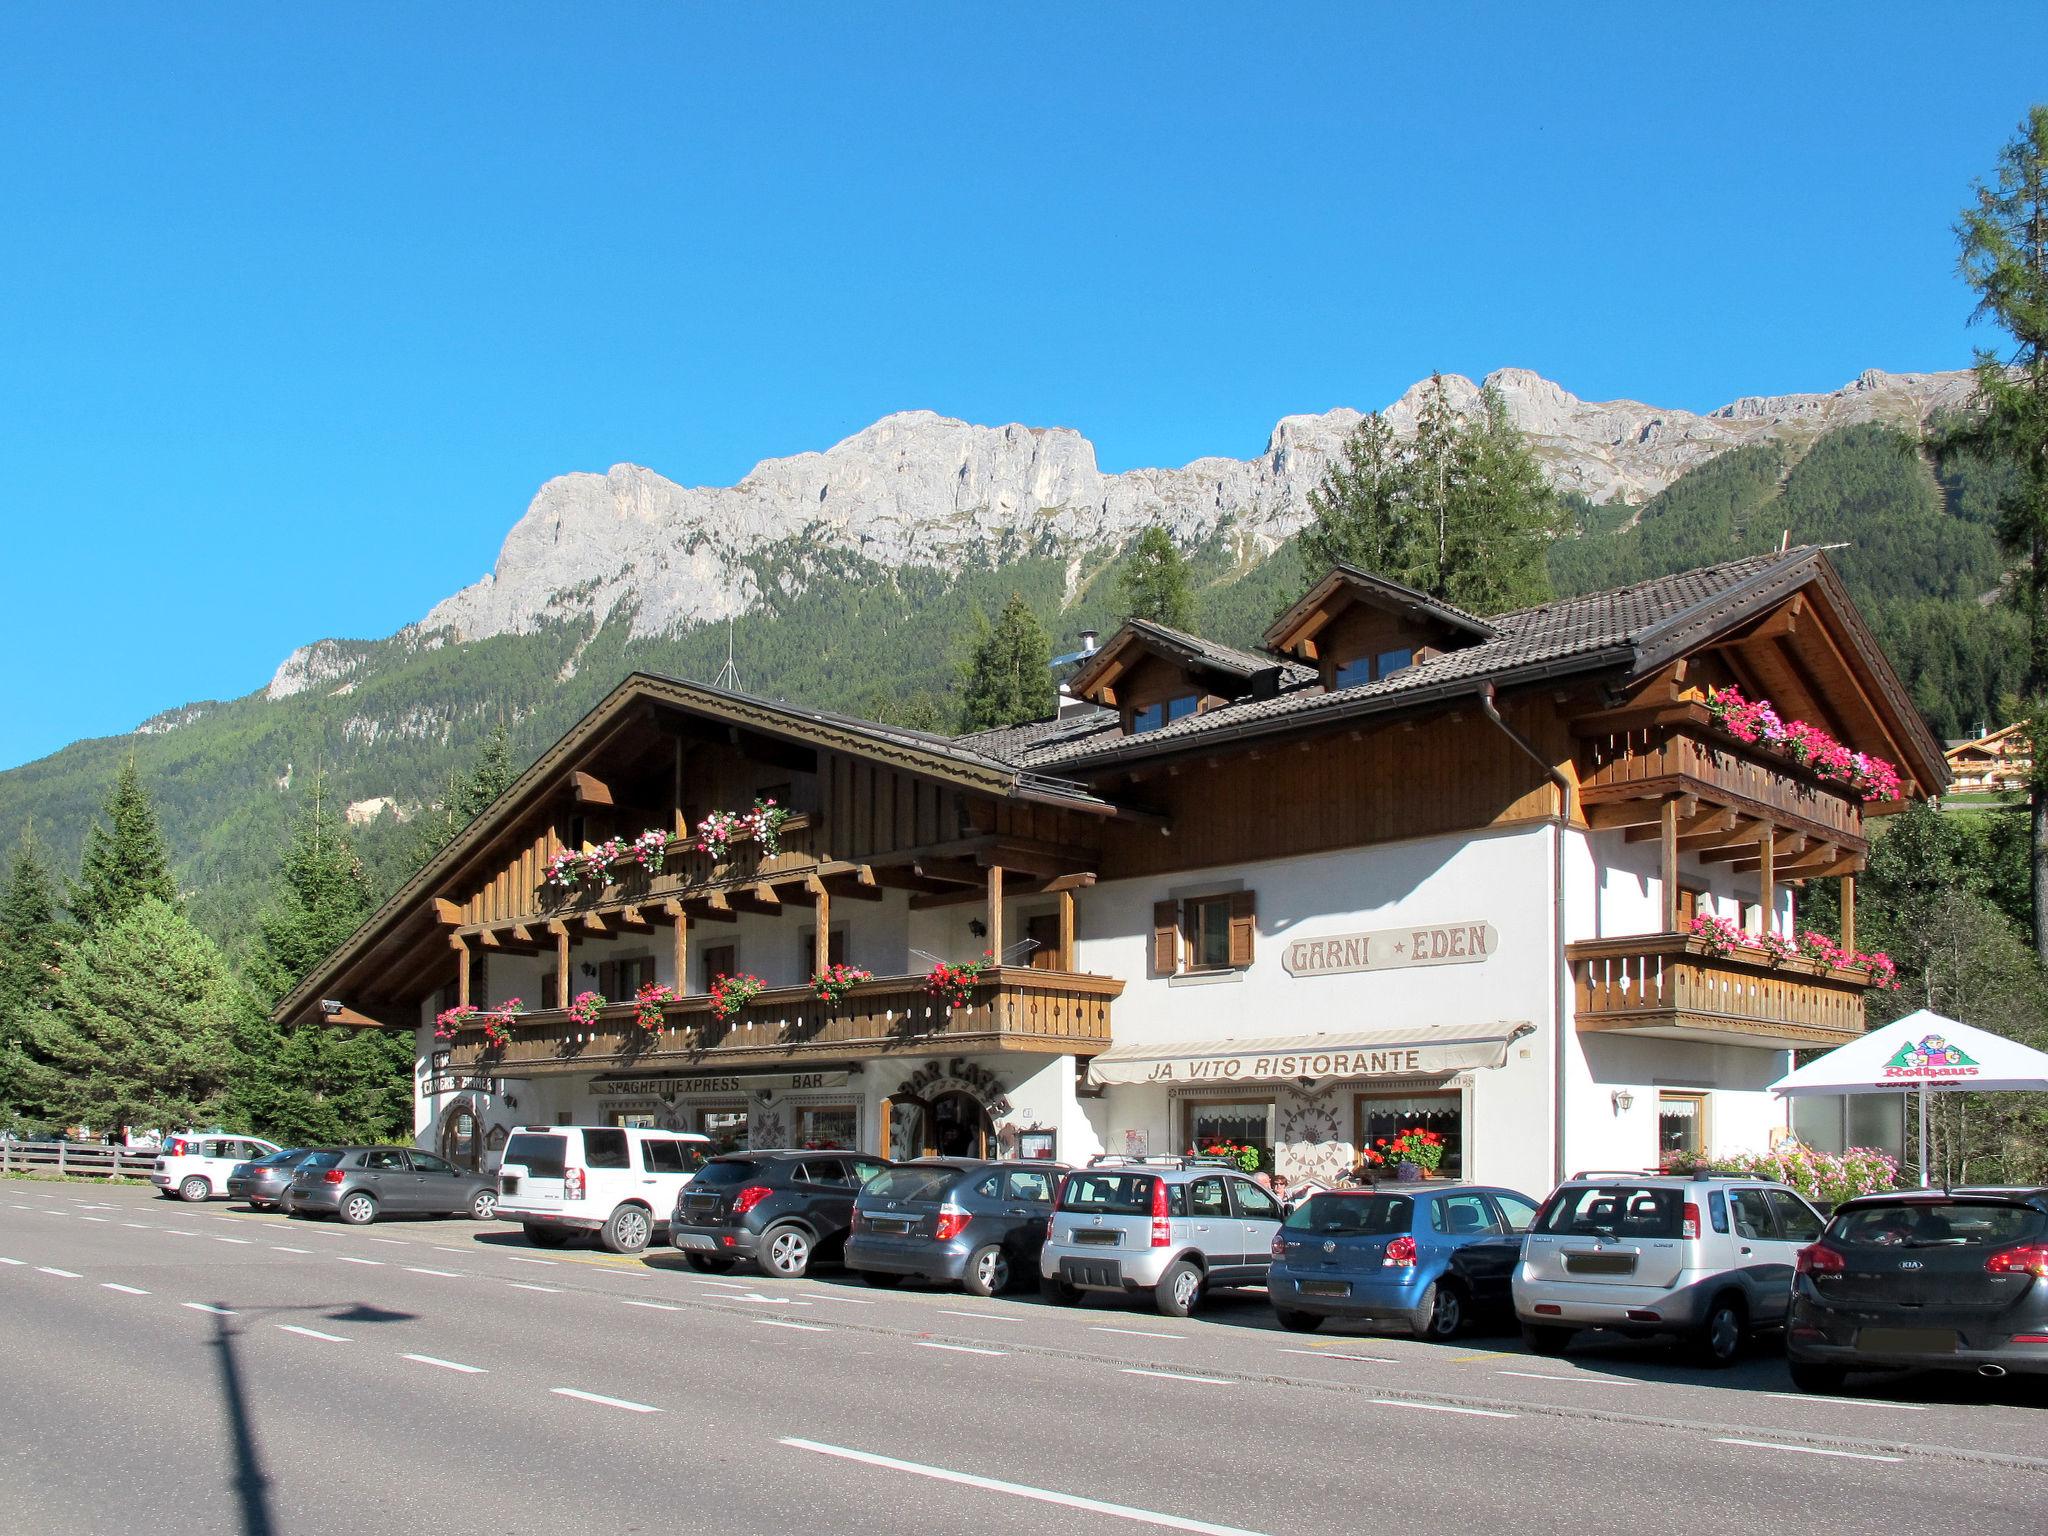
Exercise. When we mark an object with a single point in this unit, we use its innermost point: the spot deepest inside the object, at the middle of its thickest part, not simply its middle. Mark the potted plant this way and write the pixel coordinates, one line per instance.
(1238, 1154)
(1408, 1155)
(650, 1006)
(587, 1008)
(835, 981)
(729, 994)
(954, 985)
(449, 1020)
(497, 1023)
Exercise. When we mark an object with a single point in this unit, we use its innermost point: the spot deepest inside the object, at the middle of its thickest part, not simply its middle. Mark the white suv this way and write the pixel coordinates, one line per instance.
(1706, 1257)
(197, 1167)
(617, 1181)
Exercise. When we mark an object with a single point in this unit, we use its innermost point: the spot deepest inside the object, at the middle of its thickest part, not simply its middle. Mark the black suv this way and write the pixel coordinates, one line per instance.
(974, 1224)
(783, 1210)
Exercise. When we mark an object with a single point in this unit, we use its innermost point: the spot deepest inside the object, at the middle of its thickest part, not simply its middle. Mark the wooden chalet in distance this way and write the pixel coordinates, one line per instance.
(1404, 866)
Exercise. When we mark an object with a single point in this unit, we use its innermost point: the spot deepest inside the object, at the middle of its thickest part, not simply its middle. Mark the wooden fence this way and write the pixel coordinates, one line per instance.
(74, 1160)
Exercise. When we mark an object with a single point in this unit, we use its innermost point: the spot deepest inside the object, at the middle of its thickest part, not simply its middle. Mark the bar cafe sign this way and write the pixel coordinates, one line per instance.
(1388, 949)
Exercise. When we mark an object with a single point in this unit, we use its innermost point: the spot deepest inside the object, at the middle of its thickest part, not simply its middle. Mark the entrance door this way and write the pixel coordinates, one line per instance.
(959, 1126)
(462, 1137)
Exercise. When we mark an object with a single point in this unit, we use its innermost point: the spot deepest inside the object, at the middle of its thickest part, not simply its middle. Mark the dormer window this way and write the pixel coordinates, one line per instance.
(1356, 628)
(1370, 669)
(1155, 716)
(1154, 676)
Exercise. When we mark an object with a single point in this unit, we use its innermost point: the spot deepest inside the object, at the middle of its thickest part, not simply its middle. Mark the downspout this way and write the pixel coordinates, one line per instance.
(1558, 971)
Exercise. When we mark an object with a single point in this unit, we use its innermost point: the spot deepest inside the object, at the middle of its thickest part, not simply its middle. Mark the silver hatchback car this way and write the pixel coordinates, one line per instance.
(1167, 1227)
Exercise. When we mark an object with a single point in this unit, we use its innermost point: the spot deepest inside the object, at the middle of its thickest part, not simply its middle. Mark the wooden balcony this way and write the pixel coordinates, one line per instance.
(1674, 987)
(1013, 1009)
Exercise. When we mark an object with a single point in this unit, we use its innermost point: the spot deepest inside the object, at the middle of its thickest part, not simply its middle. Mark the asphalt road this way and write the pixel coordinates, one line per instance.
(172, 1368)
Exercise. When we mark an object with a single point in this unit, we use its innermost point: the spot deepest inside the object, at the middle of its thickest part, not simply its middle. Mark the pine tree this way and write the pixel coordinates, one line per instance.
(1362, 514)
(2004, 240)
(1156, 584)
(141, 1025)
(468, 795)
(29, 937)
(1009, 681)
(1497, 556)
(323, 896)
(125, 861)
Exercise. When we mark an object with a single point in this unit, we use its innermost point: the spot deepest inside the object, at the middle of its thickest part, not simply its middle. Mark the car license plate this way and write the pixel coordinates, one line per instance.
(694, 1240)
(508, 1183)
(1325, 1287)
(1086, 1235)
(1907, 1341)
(1600, 1263)
(888, 1226)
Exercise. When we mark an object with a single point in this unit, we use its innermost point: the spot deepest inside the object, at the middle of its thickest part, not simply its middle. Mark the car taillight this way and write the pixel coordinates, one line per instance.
(1689, 1223)
(1819, 1259)
(174, 1148)
(331, 1176)
(1400, 1254)
(1279, 1245)
(952, 1222)
(1059, 1197)
(750, 1197)
(1162, 1231)
(2027, 1259)
(853, 1221)
(572, 1184)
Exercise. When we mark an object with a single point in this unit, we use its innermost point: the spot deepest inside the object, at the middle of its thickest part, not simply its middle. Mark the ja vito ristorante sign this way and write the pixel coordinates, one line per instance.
(1387, 949)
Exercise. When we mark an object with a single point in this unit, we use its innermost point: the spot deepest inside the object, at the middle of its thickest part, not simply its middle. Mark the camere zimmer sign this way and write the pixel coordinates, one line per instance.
(1389, 949)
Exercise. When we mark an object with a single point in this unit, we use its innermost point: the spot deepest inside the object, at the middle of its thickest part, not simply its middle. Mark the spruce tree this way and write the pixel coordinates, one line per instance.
(29, 937)
(125, 861)
(1156, 584)
(489, 776)
(1362, 514)
(1009, 681)
(2004, 240)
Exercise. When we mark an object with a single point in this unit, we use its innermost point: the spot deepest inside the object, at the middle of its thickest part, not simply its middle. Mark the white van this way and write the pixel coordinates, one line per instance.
(194, 1167)
(620, 1182)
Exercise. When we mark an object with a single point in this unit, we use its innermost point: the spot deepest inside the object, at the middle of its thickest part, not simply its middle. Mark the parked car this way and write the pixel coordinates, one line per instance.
(263, 1182)
(782, 1211)
(1949, 1280)
(1164, 1227)
(1708, 1258)
(197, 1167)
(360, 1184)
(1430, 1256)
(618, 1182)
(971, 1223)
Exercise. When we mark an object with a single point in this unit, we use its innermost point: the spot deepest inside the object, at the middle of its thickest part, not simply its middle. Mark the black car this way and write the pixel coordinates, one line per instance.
(965, 1222)
(781, 1210)
(360, 1184)
(1951, 1280)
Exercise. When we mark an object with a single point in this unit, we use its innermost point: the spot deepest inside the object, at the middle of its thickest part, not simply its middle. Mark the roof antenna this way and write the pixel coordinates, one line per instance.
(728, 676)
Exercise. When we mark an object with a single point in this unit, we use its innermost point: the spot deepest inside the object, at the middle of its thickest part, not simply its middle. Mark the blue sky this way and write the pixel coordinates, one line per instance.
(299, 306)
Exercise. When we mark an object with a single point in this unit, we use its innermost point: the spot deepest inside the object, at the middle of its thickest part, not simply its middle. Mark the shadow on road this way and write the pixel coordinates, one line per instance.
(251, 1483)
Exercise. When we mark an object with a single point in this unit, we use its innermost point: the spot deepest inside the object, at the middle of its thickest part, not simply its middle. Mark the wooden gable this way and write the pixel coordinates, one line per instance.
(1352, 615)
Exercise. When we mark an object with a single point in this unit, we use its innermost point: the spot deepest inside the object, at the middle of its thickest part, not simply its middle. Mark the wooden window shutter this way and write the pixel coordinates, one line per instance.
(608, 977)
(1243, 927)
(1165, 937)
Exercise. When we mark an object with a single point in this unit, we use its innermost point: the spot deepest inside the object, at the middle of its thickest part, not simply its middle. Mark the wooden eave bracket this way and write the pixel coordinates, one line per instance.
(588, 789)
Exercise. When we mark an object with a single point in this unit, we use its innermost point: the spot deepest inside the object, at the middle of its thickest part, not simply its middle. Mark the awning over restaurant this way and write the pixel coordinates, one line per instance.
(1324, 1057)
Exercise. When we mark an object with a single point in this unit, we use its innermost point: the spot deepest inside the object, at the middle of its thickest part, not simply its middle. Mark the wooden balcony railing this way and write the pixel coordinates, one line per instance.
(1673, 985)
(1014, 1008)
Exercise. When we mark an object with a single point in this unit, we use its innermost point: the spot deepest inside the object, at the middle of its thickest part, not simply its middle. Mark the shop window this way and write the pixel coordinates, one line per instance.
(1204, 933)
(1232, 1123)
(827, 1125)
(1157, 716)
(1681, 1125)
(1381, 1117)
(630, 1120)
(725, 1128)
(716, 960)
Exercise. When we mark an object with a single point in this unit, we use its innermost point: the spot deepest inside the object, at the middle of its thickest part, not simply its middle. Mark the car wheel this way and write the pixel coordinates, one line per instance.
(484, 1206)
(544, 1237)
(1179, 1290)
(1058, 1292)
(1442, 1314)
(988, 1271)
(786, 1252)
(1818, 1379)
(627, 1230)
(195, 1189)
(1297, 1322)
(1546, 1338)
(880, 1279)
(357, 1209)
(1719, 1339)
(708, 1264)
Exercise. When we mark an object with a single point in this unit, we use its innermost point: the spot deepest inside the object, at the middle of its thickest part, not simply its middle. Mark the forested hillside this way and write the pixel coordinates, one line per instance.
(838, 632)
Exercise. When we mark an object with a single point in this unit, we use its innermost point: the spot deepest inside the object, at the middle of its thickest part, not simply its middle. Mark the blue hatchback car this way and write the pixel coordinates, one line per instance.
(1429, 1256)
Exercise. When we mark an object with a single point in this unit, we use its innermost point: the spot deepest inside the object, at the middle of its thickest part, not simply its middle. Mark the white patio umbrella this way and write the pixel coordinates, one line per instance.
(1925, 1051)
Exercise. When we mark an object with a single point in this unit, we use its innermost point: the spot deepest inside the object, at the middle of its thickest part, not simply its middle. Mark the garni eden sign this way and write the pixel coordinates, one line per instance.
(1389, 949)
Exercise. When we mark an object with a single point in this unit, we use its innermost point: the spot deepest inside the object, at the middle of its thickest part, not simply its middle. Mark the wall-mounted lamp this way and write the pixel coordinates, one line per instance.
(978, 928)
(329, 1006)
(589, 969)
(1624, 1101)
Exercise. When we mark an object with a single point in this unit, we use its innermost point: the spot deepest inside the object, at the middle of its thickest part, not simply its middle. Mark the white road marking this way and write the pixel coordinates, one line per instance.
(958, 1349)
(125, 1290)
(1477, 1413)
(48, 1212)
(201, 1306)
(658, 1306)
(393, 1242)
(439, 1249)
(768, 1301)
(314, 1333)
(1022, 1490)
(447, 1365)
(92, 1218)
(244, 1241)
(783, 1322)
(280, 1248)
(1136, 1333)
(179, 1232)
(442, 1274)
(351, 1259)
(608, 1402)
(518, 1258)
(14, 1263)
(1207, 1381)
(851, 1301)
(1604, 1381)
(1805, 1450)
(545, 1290)
(1853, 1402)
(1331, 1354)
(991, 1317)
(61, 1274)
(140, 1226)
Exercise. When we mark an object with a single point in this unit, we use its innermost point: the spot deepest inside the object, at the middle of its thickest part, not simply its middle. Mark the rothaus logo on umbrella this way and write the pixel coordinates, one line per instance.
(1931, 1056)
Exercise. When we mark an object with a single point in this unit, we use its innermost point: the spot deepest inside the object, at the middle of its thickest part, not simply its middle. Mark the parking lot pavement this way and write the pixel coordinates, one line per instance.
(571, 1364)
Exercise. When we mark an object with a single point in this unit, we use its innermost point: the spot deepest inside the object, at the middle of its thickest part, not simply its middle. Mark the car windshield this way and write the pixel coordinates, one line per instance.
(910, 1184)
(321, 1160)
(1936, 1223)
(1614, 1211)
(1109, 1194)
(1343, 1215)
(543, 1157)
(721, 1171)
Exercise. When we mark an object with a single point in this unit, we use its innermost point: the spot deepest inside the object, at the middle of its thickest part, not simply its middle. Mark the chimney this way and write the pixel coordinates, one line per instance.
(1087, 642)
